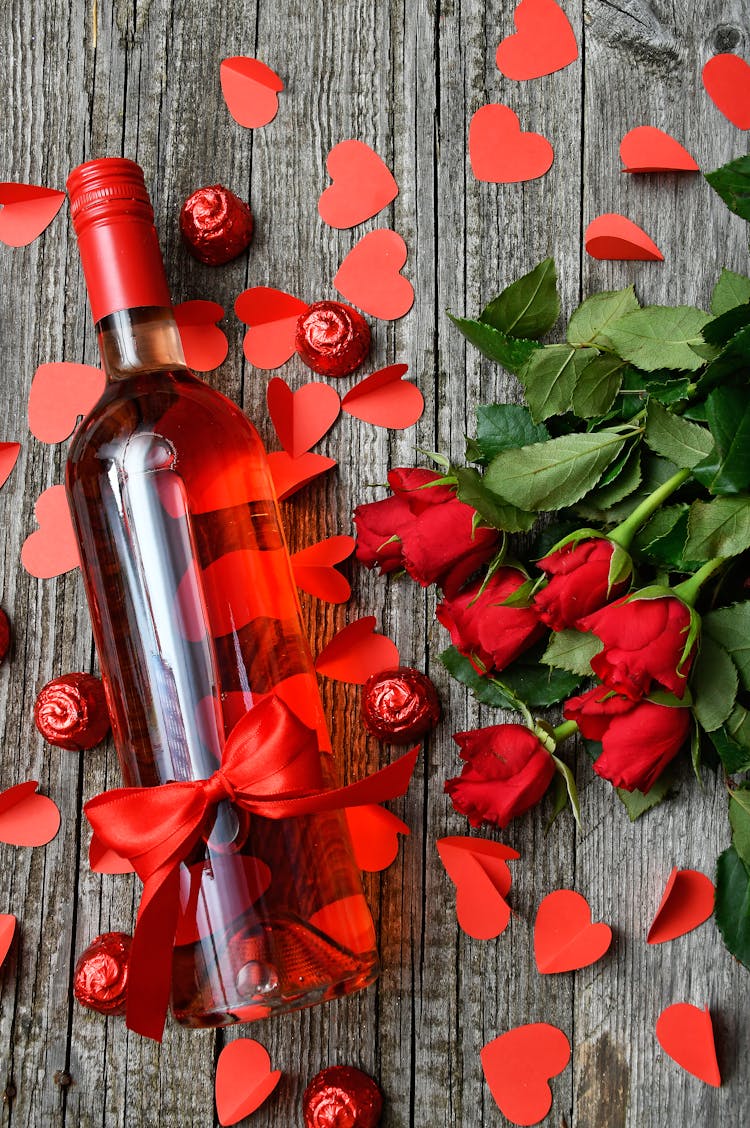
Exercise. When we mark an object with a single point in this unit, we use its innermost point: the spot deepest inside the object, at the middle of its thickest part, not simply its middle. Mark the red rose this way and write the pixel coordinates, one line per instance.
(482, 629)
(507, 771)
(579, 583)
(639, 738)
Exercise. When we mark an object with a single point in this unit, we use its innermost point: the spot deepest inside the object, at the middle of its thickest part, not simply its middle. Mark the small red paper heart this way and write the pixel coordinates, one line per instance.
(564, 937)
(648, 149)
(9, 453)
(303, 417)
(727, 82)
(314, 572)
(52, 549)
(613, 236)
(518, 1066)
(250, 90)
(688, 901)
(385, 399)
(370, 278)
(27, 819)
(374, 832)
(356, 652)
(7, 931)
(477, 868)
(544, 41)
(686, 1033)
(61, 395)
(348, 921)
(205, 344)
(500, 153)
(272, 317)
(243, 1079)
(27, 209)
(362, 185)
(291, 474)
(104, 860)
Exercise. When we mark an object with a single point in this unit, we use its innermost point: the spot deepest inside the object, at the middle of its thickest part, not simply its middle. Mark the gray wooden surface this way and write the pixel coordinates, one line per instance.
(140, 78)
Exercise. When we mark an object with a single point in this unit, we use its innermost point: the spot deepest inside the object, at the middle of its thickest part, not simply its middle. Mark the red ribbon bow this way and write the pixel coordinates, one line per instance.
(270, 767)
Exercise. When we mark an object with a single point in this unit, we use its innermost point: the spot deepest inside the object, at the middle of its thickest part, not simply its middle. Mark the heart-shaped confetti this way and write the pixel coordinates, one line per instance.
(648, 149)
(500, 153)
(62, 394)
(362, 185)
(314, 570)
(613, 236)
(244, 1079)
(518, 1066)
(205, 344)
(478, 869)
(374, 832)
(544, 41)
(52, 549)
(370, 278)
(27, 209)
(688, 901)
(303, 417)
(26, 818)
(348, 921)
(104, 860)
(9, 453)
(272, 317)
(291, 474)
(385, 399)
(727, 82)
(250, 90)
(564, 937)
(7, 932)
(686, 1033)
(356, 652)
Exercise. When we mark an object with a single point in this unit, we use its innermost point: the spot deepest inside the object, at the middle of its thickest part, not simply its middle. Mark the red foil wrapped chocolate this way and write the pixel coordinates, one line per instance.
(332, 338)
(342, 1097)
(71, 712)
(100, 980)
(4, 635)
(216, 225)
(400, 705)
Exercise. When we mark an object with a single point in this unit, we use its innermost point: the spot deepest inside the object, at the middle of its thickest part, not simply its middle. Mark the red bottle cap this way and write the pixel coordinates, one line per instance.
(114, 221)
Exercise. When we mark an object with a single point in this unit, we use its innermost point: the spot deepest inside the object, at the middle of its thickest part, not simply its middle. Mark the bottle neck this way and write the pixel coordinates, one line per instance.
(140, 340)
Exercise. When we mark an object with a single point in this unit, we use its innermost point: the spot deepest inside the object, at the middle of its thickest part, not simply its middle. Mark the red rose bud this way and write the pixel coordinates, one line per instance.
(342, 1097)
(507, 771)
(332, 338)
(579, 582)
(100, 980)
(4, 635)
(400, 706)
(216, 225)
(71, 712)
(482, 629)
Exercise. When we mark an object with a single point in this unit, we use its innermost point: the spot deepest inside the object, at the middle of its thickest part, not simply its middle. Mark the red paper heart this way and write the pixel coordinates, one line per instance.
(272, 317)
(500, 153)
(362, 185)
(7, 931)
(9, 453)
(205, 344)
(727, 82)
(27, 209)
(374, 832)
(477, 868)
(564, 937)
(27, 819)
(648, 149)
(291, 474)
(61, 395)
(688, 900)
(243, 1079)
(686, 1033)
(613, 236)
(356, 652)
(52, 549)
(348, 921)
(314, 572)
(303, 417)
(544, 41)
(370, 278)
(104, 860)
(385, 399)
(250, 90)
(518, 1066)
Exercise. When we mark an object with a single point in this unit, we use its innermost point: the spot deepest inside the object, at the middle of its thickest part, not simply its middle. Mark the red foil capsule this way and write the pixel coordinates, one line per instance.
(400, 705)
(4, 635)
(71, 712)
(332, 338)
(216, 225)
(100, 980)
(342, 1097)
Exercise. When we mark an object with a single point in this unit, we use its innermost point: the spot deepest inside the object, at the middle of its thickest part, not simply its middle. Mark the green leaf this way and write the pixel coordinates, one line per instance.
(731, 290)
(730, 628)
(558, 793)
(503, 426)
(732, 909)
(685, 444)
(572, 650)
(655, 472)
(718, 528)
(720, 331)
(713, 680)
(597, 505)
(733, 756)
(732, 182)
(726, 470)
(660, 337)
(555, 473)
(528, 307)
(485, 689)
(636, 803)
(570, 785)
(472, 490)
(508, 351)
(590, 323)
(734, 358)
(537, 686)
(662, 539)
(549, 378)
(739, 818)
(598, 384)
(738, 727)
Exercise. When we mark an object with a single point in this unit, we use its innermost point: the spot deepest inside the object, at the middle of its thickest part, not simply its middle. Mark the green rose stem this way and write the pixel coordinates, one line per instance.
(688, 590)
(551, 739)
(624, 532)
(564, 730)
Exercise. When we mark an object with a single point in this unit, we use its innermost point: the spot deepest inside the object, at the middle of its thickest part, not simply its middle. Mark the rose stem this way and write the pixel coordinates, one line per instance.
(688, 590)
(624, 532)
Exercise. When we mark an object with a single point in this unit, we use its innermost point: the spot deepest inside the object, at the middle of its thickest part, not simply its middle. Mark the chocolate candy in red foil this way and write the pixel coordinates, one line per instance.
(400, 705)
(342, 1097)
(100, 980)
(71, 712)
(216, 225)
(332, 338)
(4, 635)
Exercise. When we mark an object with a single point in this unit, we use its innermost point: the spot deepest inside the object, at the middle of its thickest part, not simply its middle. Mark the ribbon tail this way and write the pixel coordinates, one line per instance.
(150, 962)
